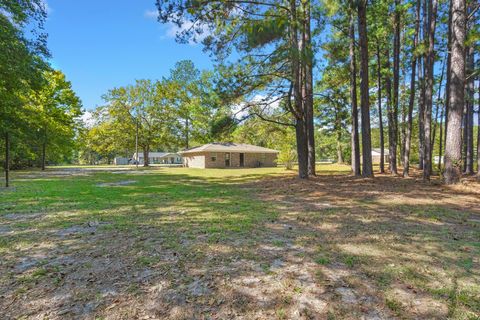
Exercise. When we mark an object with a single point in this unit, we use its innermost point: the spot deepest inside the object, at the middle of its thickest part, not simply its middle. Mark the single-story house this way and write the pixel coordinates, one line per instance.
(229, 155)
(376, 155)
(120, 161)
(158, 158)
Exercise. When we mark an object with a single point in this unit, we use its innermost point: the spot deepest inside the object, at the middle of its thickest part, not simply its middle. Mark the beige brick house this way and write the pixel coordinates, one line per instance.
(229, 155)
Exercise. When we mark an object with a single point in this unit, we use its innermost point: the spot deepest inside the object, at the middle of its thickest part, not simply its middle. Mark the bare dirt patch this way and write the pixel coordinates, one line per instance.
(117, 183)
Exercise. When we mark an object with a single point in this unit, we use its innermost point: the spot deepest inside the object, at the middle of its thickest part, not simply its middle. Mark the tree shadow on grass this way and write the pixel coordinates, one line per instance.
(404, 239)
(176, 246)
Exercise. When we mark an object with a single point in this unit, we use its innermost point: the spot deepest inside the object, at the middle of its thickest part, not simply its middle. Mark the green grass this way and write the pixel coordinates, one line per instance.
(351, 261)
(322, 260)
(182, 202)
(387, 235)
(394, 305)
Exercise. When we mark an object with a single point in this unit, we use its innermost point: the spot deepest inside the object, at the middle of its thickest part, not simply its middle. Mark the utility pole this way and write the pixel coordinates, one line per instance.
(7, 159)
(136, 145)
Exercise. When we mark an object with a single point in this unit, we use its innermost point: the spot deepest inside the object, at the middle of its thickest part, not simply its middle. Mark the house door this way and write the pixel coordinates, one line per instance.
(242, 159)
(227, 159)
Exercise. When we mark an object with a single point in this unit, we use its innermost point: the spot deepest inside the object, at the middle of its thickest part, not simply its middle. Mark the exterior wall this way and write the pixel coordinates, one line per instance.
(219, 163)
(194, 160)
(376, 159)
(251, 160)
(260, 159)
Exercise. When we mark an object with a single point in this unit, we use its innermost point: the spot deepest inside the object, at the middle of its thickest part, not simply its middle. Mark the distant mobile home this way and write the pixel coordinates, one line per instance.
(229, 155)
(159, 158)
(376, 155)
(120, 161)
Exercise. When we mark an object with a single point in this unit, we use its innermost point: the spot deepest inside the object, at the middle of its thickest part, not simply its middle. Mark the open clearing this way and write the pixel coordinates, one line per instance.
(174, 243)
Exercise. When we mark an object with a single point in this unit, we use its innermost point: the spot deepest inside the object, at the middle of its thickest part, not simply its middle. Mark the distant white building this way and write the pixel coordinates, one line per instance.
(158, 158)
(376, 155)
(120, 161)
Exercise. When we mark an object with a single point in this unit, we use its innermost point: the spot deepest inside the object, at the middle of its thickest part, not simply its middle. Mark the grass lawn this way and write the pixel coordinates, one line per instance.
(177, 243)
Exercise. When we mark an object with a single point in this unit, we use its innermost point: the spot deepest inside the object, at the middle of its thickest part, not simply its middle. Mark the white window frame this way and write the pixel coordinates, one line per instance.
(213, 156)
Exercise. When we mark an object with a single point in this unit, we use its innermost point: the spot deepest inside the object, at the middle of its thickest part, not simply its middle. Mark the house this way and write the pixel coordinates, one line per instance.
(376, 155)
(159, 158)
(229, 155)
(120, 161)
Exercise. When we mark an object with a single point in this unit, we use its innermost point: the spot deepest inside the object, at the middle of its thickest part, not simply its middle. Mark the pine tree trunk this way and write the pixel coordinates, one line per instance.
(478, 134)
(469, 102)
(404, 107)
(421, 106)
(353, 99)
(302, 148)
(411, 101)
(380, 119)
(7, 160)
(307, 57)
(432, 16)
(338, 131)
(392, 138)
(434, 131)
(421, 112)
(367, 169)
(299, 112)
(402, 126)
(339, 146)
(437, 109)
(453, 147)
(449, 67)
(396, 84)
(440, 147)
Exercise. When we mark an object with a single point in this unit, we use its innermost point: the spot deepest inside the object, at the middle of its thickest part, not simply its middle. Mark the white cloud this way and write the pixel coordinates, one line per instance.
(47, 8)
(272, 102)
(87, 119)
(240, 110)
(151, 14)
(171, 30)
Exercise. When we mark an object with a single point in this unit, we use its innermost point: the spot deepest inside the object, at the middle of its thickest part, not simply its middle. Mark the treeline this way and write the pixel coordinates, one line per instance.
(39, 112)
(416, 60)
(333, 79)
(173, 113)
(184, 109)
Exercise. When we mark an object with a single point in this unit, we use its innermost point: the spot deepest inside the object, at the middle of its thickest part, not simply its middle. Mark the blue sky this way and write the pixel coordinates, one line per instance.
(100, 44)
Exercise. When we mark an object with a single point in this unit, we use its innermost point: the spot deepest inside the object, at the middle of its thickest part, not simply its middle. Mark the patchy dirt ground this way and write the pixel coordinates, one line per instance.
(232, 244)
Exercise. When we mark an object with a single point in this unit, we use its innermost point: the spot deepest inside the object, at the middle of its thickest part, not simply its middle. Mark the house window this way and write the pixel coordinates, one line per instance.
(264, 157)
(213, 157)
